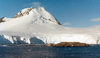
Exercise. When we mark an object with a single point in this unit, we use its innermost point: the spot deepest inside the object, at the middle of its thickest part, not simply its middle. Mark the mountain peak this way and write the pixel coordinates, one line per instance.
(38, 15)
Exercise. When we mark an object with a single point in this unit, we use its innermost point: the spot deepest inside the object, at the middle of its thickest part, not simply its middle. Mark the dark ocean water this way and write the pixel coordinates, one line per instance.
(49, 52)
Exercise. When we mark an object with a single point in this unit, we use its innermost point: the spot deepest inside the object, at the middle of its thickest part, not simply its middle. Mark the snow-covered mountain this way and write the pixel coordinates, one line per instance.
(36, 25)
(39, 15)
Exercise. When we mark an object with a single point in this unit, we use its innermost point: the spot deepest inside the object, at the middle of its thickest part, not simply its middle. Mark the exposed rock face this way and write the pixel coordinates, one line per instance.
(23, 12)
(1, 19)
(70, 44)
(39, 15)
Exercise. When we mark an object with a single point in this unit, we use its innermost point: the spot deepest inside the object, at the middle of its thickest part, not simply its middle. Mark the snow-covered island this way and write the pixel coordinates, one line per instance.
(38, 26)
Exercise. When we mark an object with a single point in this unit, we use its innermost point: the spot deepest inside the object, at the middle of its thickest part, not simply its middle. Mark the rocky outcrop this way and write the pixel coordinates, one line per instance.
(1, 19)
(23, 12)
(39, 15)
(70, 44)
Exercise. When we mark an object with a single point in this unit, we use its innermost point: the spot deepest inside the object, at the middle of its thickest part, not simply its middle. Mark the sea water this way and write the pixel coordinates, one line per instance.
(48, 52)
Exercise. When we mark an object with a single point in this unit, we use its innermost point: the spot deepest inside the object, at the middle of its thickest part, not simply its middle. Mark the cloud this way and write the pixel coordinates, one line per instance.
(66, 23)
(96, 20)
(36, 4)
(33, 4)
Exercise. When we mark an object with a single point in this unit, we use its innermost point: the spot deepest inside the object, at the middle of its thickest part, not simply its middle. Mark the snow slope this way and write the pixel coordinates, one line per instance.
(36, 25)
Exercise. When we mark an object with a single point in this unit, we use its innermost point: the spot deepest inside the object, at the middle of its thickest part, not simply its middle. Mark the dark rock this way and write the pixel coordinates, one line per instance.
(1, 19)
(70, 44)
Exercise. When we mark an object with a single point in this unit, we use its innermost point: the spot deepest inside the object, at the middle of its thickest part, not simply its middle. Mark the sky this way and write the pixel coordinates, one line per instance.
(71, 13)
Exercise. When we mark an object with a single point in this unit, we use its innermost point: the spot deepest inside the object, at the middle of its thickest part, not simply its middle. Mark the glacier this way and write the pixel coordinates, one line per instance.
(46, 38)
(38, 26)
